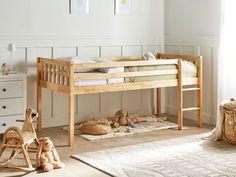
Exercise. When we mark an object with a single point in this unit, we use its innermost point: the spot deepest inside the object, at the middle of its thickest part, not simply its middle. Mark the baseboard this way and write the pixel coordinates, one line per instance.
(207, 118)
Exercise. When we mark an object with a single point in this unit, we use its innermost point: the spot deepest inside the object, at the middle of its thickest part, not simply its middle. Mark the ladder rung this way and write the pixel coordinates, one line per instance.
(191, 109)
(190, 89)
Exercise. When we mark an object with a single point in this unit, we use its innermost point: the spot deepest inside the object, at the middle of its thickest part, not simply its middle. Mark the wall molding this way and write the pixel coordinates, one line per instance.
(80, 40)
(212, 41)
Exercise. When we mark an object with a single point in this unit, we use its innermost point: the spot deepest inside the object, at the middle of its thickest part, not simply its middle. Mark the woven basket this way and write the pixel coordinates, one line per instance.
(229, 126)
(95, 128)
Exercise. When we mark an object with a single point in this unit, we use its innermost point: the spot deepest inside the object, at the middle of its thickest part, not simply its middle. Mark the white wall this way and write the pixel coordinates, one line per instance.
(43, 17)
(45, 28)
(192, 27)
(192, 18)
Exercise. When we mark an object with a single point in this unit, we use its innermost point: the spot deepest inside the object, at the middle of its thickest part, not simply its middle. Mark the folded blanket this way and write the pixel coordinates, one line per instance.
(189, 70)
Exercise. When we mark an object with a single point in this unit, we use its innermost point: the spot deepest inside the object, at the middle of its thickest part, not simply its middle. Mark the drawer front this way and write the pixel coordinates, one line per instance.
(11, 106)
(10, 121)
(11, 89)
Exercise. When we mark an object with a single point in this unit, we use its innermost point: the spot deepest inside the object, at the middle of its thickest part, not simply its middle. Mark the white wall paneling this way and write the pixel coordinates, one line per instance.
(97, 105)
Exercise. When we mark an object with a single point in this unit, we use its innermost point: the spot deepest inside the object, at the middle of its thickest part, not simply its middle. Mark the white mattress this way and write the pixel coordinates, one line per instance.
(91, 82)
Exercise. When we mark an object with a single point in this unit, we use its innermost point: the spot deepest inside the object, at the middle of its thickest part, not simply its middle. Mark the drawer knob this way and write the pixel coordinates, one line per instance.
(4, 90)
(4, 124)
(4, 107)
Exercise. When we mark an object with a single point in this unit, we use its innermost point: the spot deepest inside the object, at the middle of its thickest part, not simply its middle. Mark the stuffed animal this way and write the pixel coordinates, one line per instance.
(47, 156)
(122, 118)
(149, 56)
(5, 69)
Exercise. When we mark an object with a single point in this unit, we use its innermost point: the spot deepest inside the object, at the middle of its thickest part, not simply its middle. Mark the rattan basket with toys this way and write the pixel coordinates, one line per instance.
(229, 126)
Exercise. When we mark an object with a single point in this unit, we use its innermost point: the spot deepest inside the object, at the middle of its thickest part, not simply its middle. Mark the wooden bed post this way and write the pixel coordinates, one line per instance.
(71, 105)
(39, 95)
(71, 119)
(180, 96)
(199, 92)
(158, 102)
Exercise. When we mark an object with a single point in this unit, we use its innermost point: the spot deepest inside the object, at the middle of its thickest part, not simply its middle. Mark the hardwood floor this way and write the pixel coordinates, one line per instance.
(76, 168)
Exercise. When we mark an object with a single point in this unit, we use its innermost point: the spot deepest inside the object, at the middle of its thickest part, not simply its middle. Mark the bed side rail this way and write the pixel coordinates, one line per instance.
(92, 76)
(54, 74)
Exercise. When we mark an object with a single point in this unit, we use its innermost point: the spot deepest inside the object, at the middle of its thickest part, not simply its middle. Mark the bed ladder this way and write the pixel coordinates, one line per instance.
(198, 108)
(181, 90)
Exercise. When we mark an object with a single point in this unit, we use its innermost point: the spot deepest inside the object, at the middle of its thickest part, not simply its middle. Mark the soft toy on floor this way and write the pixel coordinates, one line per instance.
(47, 156)
(122, 117)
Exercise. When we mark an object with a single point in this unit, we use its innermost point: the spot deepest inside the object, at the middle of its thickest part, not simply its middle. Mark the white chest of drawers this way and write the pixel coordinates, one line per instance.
(12, 100)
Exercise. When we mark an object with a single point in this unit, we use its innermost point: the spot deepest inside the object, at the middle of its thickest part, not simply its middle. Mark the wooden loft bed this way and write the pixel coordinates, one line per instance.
(65, 77)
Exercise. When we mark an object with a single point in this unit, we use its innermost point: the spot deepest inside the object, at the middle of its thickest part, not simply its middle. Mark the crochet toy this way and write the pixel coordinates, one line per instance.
(47, 156)
(5, 69)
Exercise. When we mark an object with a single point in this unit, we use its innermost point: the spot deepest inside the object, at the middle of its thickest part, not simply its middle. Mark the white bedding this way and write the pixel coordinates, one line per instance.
(91, 82)
(189, 70)
(78, 60)
(111, 70)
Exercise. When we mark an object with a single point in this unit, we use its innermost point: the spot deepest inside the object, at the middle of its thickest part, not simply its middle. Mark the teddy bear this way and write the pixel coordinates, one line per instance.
(47, 156)
(5, 69)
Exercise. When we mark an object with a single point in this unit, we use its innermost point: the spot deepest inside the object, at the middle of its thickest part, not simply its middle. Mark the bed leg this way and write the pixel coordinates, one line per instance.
(199, 93)
(158, 102)
(71, 120)
(180, 96)
(39, 96)
(39, 108)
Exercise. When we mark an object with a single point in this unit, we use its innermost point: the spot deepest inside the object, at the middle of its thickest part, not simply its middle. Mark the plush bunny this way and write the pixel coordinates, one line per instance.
(47, 156)
(149, 56)
(122, 117)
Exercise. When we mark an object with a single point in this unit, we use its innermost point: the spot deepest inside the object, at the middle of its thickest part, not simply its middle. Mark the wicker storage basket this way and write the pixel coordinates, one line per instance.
(229, 126)
(95, 128)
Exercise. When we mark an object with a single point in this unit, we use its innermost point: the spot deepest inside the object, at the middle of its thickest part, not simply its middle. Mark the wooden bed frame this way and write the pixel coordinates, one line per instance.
(63, 72)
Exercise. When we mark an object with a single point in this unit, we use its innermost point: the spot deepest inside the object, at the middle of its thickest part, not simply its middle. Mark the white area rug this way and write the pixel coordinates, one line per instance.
(142, 127)
(179, 157)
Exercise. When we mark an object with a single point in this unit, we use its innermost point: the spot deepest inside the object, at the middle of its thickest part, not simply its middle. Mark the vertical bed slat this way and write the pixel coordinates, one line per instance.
(63, 75)
(55, 73)
(50, 73)
(46, 72)
(59, 75)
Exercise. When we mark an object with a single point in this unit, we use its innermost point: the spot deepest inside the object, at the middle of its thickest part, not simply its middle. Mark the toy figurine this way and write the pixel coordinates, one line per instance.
(5, 69)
